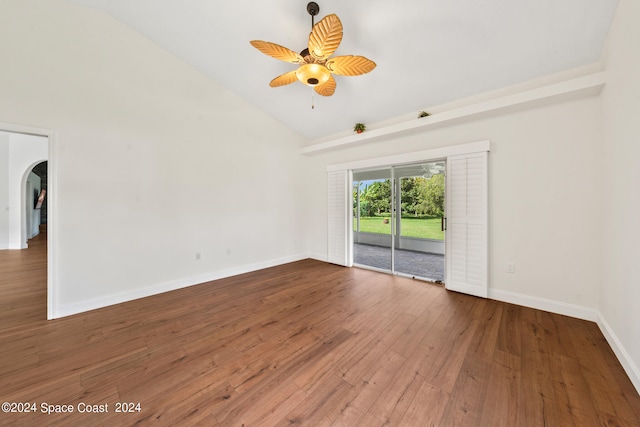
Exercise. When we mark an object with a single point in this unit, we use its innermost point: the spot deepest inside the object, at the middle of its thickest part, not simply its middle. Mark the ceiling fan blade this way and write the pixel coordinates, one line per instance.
(284, 79)
(325, 37)
(350, 65)
(327, 88)
(277, 51)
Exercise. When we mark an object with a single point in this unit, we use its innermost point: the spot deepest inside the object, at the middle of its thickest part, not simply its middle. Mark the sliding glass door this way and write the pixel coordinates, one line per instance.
(411, 202)
(398, 217)
(373, 219)
(419, 225)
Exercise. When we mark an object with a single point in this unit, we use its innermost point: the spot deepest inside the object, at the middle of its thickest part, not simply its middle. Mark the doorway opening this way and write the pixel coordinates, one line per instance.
(26, 211)
(399, 220)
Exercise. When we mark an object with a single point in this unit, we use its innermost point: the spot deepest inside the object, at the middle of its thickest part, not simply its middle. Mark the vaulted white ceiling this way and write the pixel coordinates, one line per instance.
(428, 52)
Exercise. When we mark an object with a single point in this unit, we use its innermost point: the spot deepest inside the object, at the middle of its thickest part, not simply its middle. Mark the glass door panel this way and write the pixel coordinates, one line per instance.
(398, 218)
(418, 229)
(419, 232)
(372, 219)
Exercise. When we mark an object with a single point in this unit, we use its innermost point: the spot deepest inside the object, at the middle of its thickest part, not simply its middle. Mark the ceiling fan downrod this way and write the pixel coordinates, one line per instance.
(313, 9)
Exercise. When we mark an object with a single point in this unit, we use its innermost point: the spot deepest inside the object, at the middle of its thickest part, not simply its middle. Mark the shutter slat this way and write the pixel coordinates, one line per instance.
(337, 229)
(466, 237)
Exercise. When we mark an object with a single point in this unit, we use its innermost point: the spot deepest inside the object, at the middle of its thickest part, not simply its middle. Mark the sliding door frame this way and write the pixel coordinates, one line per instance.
(397, 160)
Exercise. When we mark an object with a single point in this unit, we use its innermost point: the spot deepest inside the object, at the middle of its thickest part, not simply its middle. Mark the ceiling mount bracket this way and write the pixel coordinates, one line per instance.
(313, 8)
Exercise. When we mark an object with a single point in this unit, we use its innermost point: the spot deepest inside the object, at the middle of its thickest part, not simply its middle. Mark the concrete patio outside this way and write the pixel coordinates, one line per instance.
(413, 263)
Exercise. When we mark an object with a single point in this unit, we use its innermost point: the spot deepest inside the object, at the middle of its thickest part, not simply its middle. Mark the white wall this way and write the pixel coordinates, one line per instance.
(4, 190)
(620, 287)
(152, 162)
(544, 193)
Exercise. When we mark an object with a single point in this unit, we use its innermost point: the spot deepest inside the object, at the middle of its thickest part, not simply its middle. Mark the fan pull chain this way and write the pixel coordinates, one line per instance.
(313, 105)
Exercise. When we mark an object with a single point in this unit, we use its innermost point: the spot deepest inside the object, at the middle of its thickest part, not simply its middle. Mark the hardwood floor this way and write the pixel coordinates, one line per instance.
(306, 343)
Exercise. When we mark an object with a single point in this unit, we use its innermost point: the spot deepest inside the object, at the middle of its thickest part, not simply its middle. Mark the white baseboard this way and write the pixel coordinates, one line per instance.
(627, 363)
(118, 298)
(552, 306)
(319, 257)
(13, 247)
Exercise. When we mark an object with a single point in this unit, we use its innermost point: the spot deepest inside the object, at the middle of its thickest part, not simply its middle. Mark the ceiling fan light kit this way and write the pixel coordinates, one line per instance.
(316, 68)
(312, 74)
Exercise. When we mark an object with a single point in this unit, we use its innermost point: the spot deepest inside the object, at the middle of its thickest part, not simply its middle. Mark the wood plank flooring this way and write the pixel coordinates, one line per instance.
(306, 343)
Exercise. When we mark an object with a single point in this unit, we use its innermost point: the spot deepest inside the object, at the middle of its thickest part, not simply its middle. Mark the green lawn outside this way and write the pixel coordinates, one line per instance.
(425, 227)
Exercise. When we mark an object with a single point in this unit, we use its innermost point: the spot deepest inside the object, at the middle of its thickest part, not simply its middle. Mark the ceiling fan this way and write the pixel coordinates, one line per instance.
(315, 65)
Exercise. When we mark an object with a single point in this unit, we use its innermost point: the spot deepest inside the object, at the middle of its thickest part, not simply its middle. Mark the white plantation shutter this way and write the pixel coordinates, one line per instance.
(339, 217)
(466, 239)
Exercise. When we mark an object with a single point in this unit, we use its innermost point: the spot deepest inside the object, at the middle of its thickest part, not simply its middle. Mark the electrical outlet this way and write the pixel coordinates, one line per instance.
(228, 251)
(197, 256)
(511, 268)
